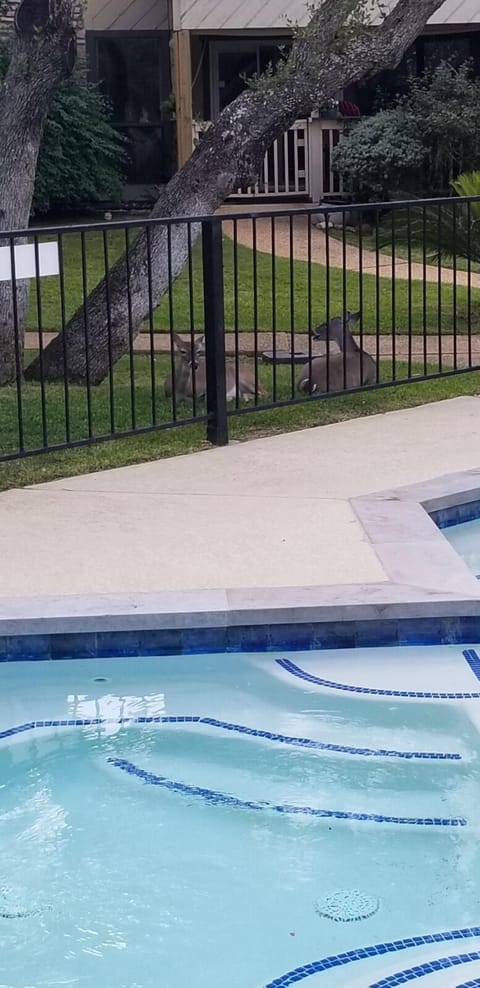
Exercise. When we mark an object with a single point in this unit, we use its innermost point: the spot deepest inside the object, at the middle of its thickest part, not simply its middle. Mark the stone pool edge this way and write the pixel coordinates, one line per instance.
(429, 594)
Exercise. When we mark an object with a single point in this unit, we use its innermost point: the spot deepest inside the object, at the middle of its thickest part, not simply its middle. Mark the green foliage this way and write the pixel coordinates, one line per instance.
(421, 144)
(446, 232)
(81, 157)
(380, 156)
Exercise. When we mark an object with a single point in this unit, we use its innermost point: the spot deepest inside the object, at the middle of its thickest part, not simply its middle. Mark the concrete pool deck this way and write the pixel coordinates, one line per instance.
(323, 516)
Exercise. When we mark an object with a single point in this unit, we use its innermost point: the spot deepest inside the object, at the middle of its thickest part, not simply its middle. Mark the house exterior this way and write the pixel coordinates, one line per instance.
(169, 66)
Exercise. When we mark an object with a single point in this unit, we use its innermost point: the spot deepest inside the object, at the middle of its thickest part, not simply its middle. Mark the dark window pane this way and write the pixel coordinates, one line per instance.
(129, 74)
(453, 50)
(232, 67)
(152, 154)
(271, 54)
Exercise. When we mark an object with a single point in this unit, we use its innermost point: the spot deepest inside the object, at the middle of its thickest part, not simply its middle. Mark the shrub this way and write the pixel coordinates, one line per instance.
(421, 144)
(380, 155)
(82, 157)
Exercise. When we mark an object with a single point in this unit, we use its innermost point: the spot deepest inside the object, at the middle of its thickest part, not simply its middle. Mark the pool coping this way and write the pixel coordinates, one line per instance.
(425, 578)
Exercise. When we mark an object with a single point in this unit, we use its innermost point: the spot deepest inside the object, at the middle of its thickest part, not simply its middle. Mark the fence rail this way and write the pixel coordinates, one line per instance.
(210, 318)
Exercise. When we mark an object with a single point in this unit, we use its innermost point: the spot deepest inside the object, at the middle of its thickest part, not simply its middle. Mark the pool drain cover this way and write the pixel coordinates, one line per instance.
(347, 906)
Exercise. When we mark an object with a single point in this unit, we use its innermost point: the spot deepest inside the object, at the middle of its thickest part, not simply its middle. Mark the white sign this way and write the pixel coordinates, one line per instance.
(25, 261)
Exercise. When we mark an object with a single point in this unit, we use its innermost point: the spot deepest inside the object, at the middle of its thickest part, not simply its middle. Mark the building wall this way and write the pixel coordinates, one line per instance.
(231, 15)
(124, 15)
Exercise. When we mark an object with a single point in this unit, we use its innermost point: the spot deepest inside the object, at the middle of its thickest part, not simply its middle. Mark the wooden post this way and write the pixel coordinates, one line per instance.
(182, 86)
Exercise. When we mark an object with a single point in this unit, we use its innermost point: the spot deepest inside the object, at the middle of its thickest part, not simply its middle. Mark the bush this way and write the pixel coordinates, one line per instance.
(420, 145)
(82, 157)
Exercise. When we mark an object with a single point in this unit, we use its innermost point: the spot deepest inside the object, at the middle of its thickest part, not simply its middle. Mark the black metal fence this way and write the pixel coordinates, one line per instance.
(205, 319)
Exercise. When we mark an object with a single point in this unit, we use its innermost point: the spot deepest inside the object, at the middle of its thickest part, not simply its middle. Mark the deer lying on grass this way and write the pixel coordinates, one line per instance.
(190, 366)
(351, 368)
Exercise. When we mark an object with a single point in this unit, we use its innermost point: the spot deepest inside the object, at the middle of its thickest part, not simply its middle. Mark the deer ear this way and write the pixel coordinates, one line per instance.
(200, 345)
(178, 343)
(354, 316)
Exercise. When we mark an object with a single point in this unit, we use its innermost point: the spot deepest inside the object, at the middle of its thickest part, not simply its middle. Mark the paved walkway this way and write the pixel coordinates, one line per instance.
(269, 512)
(354, 259)
(467, 353)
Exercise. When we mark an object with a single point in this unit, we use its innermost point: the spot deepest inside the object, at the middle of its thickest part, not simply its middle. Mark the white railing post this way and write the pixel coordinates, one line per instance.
(316, 160)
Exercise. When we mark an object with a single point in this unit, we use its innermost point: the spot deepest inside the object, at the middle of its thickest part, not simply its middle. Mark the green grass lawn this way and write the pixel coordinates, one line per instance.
(281, 296)
(153, 446)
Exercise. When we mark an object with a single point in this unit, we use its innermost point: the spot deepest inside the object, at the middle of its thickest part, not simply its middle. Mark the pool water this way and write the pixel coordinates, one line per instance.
(465, 539)
(139, 852)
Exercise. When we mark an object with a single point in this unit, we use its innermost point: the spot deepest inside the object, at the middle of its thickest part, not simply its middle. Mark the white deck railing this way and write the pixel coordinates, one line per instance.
(298, 164)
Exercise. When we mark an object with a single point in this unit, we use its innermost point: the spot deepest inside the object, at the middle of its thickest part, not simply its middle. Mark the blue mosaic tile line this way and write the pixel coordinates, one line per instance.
(421, 970)
(473, 659)
(219, 798)
(240, 729)
(457, 514)
(360, 953)
(470, 984)
(416, 694)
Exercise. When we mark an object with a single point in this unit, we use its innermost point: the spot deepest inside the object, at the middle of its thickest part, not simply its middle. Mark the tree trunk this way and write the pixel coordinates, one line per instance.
(43, 54)
(338, 47)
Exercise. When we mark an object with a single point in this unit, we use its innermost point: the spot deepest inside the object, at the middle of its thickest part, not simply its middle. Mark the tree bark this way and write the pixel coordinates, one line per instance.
(337, 48)
(43, 55)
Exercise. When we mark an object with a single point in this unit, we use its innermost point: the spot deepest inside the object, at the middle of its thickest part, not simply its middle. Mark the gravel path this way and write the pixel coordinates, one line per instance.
(383, 349)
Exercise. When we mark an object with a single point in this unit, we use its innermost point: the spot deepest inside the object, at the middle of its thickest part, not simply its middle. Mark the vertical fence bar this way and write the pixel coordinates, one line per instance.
(255, 305)
(439, 295)
(86, 327)
(213, 297)
(469, 282)
(360, 288)
(424, 284)
(66, 394)
(327, 298)
(171, 326)
(236, 325)
(309, 291)
(292, 308)
(18, 349)
(394, 299)
(344, 297)
(191, 301)
(274, 311)
(40, 342)
(151, 327)
(111, 384)
(377, 297)
(409, 291)
(131, 350)
(454, 299)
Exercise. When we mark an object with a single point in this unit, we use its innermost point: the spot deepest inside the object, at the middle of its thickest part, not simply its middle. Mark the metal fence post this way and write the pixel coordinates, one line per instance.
(217, 426)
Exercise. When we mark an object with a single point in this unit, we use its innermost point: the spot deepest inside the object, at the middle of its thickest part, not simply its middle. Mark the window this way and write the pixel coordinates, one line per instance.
(232, 62)
(133, 71)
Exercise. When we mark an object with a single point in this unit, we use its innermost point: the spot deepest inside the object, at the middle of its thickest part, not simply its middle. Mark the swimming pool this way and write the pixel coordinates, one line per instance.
(190, 820)
(465, 539)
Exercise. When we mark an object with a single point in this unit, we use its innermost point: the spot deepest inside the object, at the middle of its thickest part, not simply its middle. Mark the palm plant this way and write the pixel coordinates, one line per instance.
(445, 231)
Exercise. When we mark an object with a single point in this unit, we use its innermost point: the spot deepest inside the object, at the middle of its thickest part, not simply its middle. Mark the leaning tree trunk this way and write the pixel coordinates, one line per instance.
(332, 52)
(42, 55)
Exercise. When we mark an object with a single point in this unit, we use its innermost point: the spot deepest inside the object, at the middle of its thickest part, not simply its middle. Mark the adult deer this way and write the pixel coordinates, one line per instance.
(351, 368)
(191, 374)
